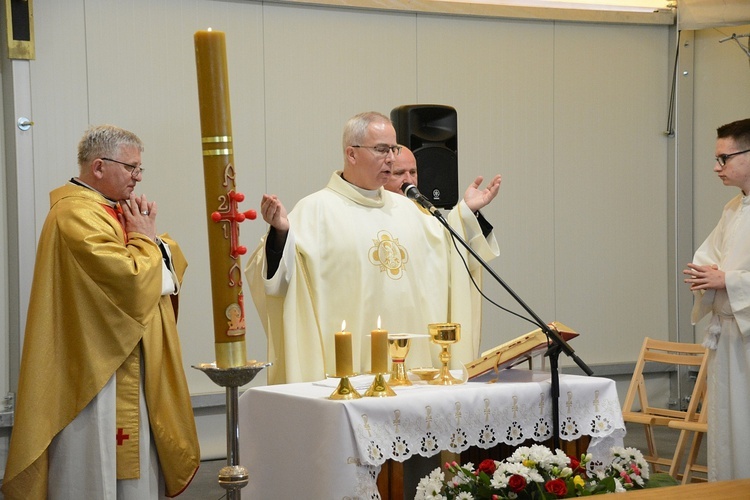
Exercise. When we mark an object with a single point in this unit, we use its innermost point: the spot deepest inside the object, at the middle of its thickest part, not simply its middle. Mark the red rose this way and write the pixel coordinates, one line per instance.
(575, 464)
(487, 466)
(556, 487)
(517, 483)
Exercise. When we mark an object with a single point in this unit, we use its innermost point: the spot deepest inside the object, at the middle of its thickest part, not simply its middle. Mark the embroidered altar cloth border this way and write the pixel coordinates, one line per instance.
(515, 408)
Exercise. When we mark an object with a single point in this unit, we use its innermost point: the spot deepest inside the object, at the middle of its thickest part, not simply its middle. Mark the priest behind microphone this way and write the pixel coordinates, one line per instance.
(354, 251)
(404, 173)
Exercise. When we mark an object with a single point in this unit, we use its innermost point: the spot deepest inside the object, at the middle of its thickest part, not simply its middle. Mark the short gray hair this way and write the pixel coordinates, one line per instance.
(355, 129)
(103, 141)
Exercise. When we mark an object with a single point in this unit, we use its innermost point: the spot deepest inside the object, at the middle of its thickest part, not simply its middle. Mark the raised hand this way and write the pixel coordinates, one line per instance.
(477, 198)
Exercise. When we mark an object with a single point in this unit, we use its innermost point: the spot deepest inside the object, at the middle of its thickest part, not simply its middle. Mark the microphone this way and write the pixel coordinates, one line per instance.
(411, 192)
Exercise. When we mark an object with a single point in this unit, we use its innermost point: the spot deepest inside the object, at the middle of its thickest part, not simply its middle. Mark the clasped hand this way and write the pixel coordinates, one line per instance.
(708, 277)
(139, 215)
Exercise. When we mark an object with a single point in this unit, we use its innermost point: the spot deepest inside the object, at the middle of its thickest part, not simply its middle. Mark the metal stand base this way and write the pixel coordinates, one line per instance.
(345, 390)
(233, 477)
(379, 388)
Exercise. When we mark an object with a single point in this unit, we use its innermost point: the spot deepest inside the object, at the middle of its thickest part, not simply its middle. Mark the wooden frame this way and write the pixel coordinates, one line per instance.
(19, 23)
(485, 9)
(690, 429)
(649, 415)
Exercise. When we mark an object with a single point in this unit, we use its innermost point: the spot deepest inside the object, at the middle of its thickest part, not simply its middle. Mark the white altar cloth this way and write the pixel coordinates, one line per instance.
(297, 443)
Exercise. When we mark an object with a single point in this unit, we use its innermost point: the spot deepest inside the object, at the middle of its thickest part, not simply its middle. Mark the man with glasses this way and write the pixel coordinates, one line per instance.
(355, 251)
(103, 407)
(719, 277)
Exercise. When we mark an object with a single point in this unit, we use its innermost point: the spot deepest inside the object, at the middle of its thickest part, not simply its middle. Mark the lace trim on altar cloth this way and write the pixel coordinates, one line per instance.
(515, 409)
(485, 417)
(367, 481)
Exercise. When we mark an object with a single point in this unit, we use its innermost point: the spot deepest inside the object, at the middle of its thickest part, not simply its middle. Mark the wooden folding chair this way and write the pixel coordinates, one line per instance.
(651, 415)
(691, 429)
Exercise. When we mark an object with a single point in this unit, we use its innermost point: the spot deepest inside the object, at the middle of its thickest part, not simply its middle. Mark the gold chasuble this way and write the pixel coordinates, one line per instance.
(96, 311)
(352, 256)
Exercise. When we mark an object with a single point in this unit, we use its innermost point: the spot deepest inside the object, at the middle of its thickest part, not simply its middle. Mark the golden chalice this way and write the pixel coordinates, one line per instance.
(445, 334)
(398, 346)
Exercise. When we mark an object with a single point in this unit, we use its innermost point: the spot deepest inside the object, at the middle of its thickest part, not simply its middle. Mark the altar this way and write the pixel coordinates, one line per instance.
(297, 443)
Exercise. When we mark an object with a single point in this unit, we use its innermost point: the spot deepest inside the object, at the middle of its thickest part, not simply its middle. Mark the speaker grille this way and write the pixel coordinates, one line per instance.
(431, 132)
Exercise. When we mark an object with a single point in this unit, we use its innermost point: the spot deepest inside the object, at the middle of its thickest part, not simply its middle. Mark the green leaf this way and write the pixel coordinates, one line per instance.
(660, 479)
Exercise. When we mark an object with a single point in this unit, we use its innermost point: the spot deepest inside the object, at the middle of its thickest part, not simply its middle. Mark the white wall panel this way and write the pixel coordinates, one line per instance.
(498, 76)
(568, 114)
(323, 66)
(59, 88)
(611, 94)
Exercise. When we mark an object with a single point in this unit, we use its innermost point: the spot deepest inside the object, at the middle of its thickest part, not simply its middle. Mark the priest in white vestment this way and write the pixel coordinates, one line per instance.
(354, 251)
(720, 279)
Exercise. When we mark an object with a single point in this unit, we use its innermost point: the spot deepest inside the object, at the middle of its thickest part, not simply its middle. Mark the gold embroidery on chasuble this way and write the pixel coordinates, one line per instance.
(128, 406)
(389, 255)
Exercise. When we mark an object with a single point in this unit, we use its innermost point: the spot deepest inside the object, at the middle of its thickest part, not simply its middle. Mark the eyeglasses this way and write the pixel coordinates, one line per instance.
(722, 159)
(134, 170)
(382, 149)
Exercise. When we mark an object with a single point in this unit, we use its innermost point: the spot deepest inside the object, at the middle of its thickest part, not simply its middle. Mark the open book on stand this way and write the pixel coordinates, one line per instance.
(516, 351)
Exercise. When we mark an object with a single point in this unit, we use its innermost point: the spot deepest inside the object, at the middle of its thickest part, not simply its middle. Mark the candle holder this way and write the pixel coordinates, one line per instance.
(398, 345)
(426, 374)
(445, 334)
(379, 388)
(233, 477)
(345, 390)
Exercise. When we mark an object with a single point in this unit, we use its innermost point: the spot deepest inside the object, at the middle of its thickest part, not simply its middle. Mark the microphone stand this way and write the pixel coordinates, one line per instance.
(558, 344)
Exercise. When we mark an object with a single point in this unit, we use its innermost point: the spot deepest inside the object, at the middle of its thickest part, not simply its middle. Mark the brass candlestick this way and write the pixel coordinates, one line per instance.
(445, 334)
(379, 388)
(345, 390)
(398, 345)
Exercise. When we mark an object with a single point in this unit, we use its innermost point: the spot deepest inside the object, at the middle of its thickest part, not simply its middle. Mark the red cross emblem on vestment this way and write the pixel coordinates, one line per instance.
(121, 436)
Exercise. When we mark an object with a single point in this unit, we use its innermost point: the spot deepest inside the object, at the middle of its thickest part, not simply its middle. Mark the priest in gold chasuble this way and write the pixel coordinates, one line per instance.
(103, 407)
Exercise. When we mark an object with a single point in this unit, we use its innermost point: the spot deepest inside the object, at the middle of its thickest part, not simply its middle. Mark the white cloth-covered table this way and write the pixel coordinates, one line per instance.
(296, 442)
